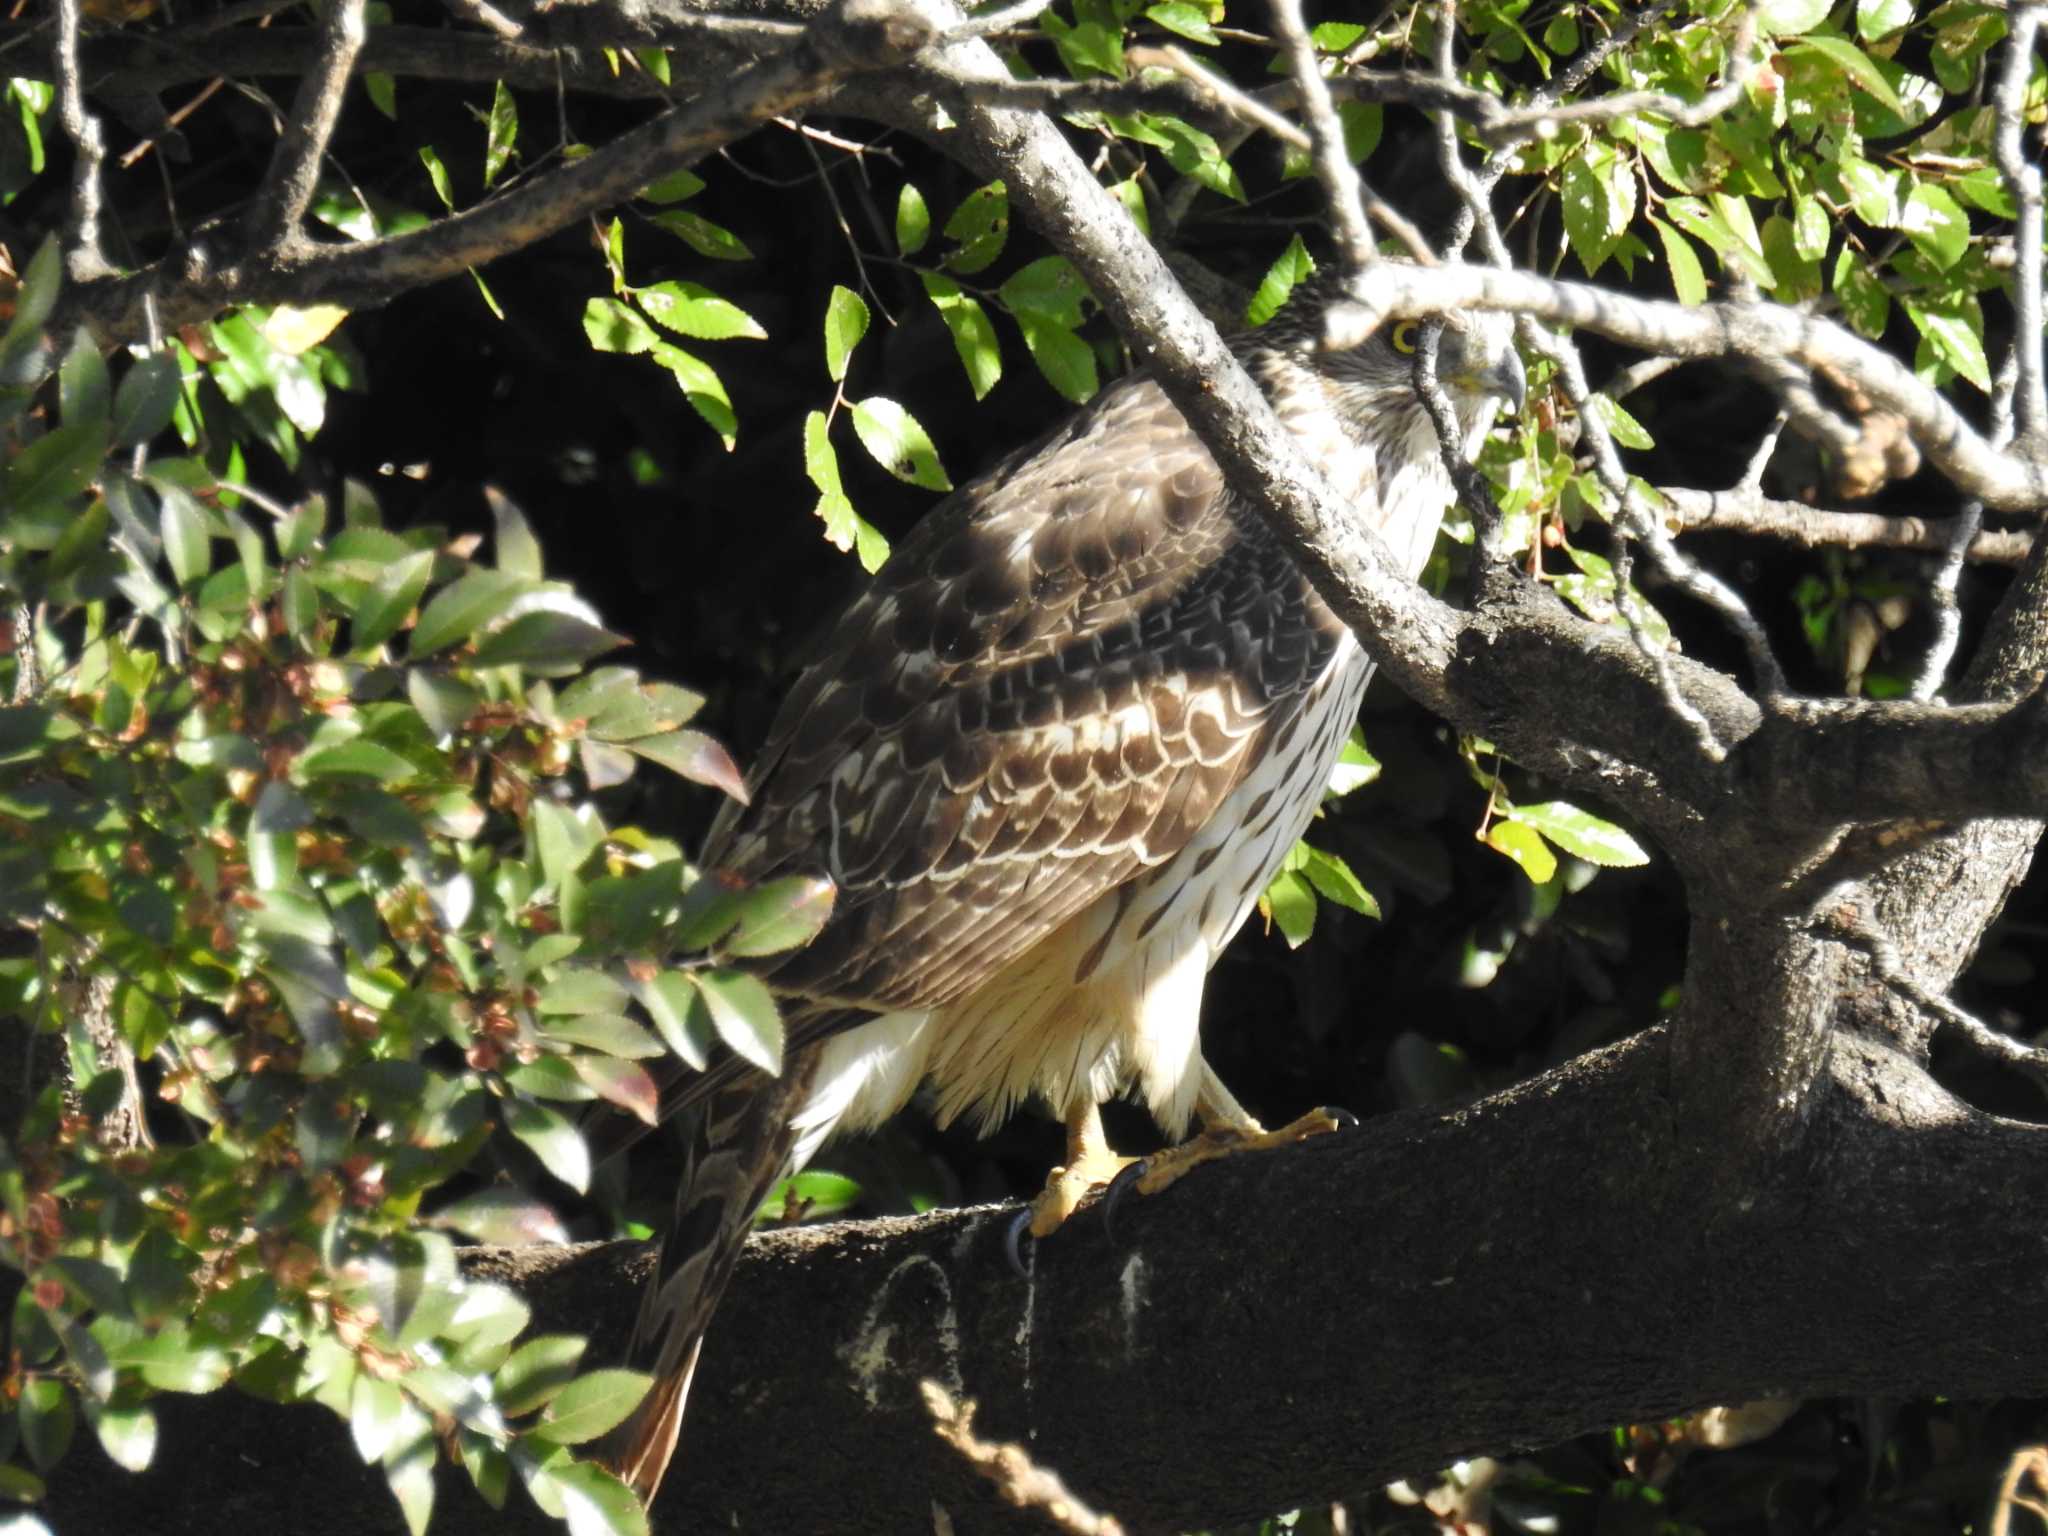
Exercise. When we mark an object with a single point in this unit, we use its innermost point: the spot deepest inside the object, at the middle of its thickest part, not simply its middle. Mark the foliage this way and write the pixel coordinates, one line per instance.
(303, 814)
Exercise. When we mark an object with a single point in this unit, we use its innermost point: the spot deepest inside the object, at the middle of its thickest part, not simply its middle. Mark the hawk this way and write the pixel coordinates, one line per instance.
(1050, 757)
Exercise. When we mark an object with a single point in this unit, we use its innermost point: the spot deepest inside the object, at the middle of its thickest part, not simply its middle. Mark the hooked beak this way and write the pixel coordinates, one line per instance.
(1506, 381)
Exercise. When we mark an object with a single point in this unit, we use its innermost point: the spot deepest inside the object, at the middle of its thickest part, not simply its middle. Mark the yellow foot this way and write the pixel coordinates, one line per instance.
(1228, 1138)
(1065, 1188)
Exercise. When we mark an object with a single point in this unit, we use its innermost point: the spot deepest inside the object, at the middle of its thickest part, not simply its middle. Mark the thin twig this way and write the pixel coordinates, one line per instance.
(487, 16)
(272, 223)
(1001, 19)
(1350, 228)
(1941, 592)
(2023, 181)
(1450, 438)
(84, 257)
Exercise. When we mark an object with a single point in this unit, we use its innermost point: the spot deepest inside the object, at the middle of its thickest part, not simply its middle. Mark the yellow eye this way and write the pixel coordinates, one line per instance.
(1403, 337)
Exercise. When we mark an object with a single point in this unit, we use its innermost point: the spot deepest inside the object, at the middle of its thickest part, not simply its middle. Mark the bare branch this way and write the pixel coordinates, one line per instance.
(84, 258)
(272, 223)
(487, 16)
(1353, 235)
(1002, 19)
(854, 37)
(2023, 180)
(1743, 511)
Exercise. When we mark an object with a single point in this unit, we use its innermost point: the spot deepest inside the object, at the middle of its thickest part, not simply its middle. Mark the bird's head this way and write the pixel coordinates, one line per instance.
(1372, 375)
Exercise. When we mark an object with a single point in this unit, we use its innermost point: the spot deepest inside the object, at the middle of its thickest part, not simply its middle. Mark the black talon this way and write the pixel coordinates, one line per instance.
(1013, 1242)
(1119, 1186)
(1346, 1121)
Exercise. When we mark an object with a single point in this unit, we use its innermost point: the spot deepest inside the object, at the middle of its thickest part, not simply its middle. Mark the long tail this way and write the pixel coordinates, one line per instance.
(739, 1146)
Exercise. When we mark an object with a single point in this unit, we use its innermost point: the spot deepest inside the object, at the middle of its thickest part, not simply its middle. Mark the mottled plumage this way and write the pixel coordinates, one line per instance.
(1050, 757)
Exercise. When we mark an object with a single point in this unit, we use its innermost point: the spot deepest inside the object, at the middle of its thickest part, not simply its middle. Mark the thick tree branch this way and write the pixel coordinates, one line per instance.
(1303, 1325)
(84, 259)
(272, 223)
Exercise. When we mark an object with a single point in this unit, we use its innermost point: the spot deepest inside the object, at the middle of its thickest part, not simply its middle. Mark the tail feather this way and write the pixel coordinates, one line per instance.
(740, 1145)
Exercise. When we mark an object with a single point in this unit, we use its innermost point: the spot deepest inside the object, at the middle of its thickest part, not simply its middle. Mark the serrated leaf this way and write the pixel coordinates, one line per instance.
(743, 1012)
(1065, 361)
(1185, 19)
(1623, 427)
(612, 326)
(1955, 340)
(1688, 280)
(974, 337)
(1878, 19)
(702, 236)
(595, 1503)
(846, 321)
(1334, 881)
(676, 187)
(591, 1405)
(678, 1010)
(782, 914)
(1938, 228)
(702, 388)
(1583, 834)
(898, 442)
(1854, 63)
(913, 221)
(59, 464)
(1293, 267)
(981, 225)
(694, 311)
(1523, 844)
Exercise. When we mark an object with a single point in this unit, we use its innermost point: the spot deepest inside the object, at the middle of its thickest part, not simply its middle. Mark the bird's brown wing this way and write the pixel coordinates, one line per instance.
(1049, 687)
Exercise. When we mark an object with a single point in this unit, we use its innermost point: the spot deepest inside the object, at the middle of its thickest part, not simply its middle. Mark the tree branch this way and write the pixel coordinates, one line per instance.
(1687, 510)
(1170, 1378)
(272, 223)
(84, 259)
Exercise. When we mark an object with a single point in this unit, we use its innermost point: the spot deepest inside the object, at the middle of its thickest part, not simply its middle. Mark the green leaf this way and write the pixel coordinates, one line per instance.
(48, 1419)
(1582, 834)
(1185, 19)
(476, 598)
(676, 187)
(897, 442)
(1522, 844)
(145, 400)
(536, 1371)
(1688, 281)
(546, 643)
(1064, 359)
(591, 1405)
(744, 1014)
(703, 388)
(59, 464)
(1789, 18)
(390, 599)
(680, 1014)
(846, 321)
(974, 338)
(596, 1503)
(377, 1416)
(782, 914)
(1854, 63)
(1811, 230)
(437, 173)
(624, 1083)
(512, 537)
(1879, 19)
(501, 135)
(696, 757)
(913, 221)
(702, 236)
(551, 1138)
(691, 310)
(1956, 338)
(128, 1435)
(1289, 902)
(1334, 881)
(615, 327)
(1292, 268)
(1938, 228)
(1049, 288)
(1860, 292)
(564, 841)
(83, 390)
(1624, 428)
(981, 226)
(188, 545)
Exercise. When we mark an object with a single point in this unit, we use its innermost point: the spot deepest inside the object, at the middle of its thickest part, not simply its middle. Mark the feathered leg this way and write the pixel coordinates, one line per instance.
(739, 1147)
